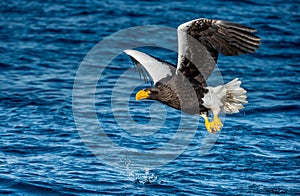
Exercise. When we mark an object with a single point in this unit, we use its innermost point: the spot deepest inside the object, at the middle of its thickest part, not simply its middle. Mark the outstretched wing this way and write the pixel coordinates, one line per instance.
(201, 40)
(150, 66)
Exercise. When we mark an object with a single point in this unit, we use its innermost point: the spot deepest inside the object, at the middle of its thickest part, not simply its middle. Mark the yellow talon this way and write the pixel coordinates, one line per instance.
(214, 125)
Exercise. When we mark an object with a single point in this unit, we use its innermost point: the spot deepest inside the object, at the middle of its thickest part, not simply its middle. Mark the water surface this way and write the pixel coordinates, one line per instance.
(42, 44)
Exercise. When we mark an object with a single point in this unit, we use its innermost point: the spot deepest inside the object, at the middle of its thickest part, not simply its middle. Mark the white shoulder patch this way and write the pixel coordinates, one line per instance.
(182, 40)
(155, 68)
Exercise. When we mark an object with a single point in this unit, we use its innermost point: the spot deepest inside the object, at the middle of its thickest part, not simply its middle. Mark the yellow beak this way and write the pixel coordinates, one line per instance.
(142, 94)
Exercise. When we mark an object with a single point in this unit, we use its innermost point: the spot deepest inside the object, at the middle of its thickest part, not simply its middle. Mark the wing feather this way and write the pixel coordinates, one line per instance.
(232, 25)
(150, 67)
(201, 40)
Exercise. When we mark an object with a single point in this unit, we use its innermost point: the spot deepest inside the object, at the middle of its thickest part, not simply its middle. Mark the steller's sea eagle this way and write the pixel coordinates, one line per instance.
(185, 88)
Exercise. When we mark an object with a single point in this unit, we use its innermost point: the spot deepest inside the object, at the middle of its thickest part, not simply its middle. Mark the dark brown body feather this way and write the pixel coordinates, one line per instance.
(182, 94)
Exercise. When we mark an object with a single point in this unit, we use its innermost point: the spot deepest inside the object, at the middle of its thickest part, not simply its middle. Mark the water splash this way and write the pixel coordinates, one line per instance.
(143, 177)
(146, 178)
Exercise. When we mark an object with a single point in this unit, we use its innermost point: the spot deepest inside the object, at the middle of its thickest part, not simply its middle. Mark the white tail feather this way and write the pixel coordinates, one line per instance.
(228, 98)
(235, 97)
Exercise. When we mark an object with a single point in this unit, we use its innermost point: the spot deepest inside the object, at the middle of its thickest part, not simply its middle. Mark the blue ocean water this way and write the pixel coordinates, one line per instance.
(42, 150)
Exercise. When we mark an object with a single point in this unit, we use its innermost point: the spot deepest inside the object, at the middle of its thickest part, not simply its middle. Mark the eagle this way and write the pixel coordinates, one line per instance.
(184, 87)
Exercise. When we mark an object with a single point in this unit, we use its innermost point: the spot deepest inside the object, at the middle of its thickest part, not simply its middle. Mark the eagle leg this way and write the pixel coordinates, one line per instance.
(214, 125)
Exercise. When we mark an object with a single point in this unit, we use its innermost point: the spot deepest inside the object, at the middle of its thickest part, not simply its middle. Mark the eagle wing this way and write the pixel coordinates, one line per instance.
(201, 40)
(150, 67)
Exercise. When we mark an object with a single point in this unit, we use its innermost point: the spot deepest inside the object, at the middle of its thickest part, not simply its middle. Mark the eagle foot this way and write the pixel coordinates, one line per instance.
(213, 126)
